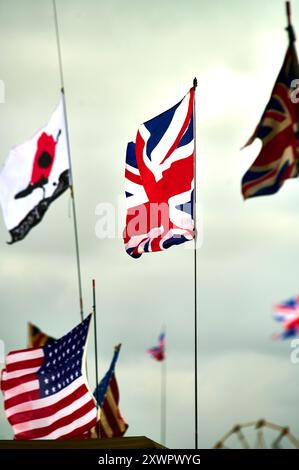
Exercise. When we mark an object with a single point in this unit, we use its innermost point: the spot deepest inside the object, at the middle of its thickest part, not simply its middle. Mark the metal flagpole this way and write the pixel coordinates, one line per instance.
(163, 394)
(289, 28)
(96, 348)
(288, 11)
(195, 275)
(70, 161)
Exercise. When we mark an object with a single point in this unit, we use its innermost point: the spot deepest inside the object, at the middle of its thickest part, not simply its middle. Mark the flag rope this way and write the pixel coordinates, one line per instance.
(70, 161)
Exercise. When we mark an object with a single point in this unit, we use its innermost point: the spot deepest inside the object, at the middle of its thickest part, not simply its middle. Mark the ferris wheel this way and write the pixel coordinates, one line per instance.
(259, 434)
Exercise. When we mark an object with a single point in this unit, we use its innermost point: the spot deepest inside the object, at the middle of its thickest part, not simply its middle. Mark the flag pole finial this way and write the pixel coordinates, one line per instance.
(194, 82)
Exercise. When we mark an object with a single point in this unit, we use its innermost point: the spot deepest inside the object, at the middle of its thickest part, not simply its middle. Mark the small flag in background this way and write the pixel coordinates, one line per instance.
(111, 422)
(159, 181)
(46, 395)
(288, 314)
(34, 175)
(37, 338)
(278, 130)
(158, 352)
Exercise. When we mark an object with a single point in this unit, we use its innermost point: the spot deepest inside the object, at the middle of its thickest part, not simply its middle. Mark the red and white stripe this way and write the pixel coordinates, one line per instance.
(65, 414)
(112, 424)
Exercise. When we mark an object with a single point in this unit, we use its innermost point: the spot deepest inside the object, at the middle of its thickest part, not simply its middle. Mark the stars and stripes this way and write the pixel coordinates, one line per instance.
(288, 314)
(46, 395)
(158, 352)
(159, 181)
(279, 133)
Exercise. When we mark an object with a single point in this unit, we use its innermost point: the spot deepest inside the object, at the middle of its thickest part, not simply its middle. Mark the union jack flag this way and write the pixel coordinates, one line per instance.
(158, 352)
(288, 314)
(46, 395)
(159, 181)
(278, 131)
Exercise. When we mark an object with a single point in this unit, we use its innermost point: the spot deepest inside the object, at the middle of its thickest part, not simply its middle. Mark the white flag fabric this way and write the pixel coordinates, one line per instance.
(34, 175)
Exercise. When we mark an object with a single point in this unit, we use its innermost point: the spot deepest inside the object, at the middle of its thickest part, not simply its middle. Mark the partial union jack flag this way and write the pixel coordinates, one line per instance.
(158, 352)
(278, 131)
(46, 395)
(159, 181)
(288, 314)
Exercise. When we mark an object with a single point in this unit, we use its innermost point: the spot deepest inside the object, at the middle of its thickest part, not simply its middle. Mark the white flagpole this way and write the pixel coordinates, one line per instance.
(195, 276)
(70, 162)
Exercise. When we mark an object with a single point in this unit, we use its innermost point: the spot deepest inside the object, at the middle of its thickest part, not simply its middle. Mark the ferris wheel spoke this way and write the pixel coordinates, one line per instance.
(260, 441)
(263, 430)
(243, 439)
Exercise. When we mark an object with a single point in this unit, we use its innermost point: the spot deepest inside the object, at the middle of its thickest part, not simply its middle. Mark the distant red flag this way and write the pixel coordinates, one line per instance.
(287, 313)
(158, 352)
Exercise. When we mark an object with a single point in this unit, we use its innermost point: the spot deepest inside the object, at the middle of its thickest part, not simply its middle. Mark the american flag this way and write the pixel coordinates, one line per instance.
(159, 181)
(111, 423)
(278, 130)
(287, 313)
(46, 395)
(158, 352)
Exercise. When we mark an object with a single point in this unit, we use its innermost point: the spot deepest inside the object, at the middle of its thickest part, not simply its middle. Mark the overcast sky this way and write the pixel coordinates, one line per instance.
(126, 61)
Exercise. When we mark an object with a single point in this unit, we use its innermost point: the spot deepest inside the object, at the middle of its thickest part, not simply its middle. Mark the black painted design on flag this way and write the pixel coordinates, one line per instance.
(37, 213)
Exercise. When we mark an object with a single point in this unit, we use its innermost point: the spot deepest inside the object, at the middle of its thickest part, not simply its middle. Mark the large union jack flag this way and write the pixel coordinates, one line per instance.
(159, 181)
(278, 131)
